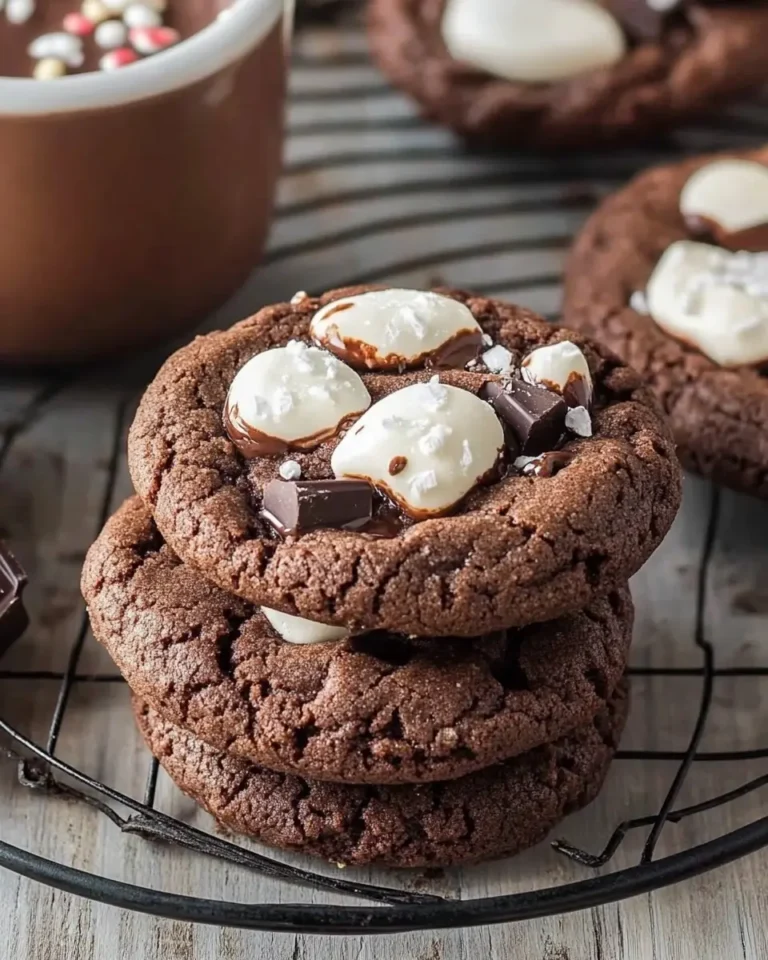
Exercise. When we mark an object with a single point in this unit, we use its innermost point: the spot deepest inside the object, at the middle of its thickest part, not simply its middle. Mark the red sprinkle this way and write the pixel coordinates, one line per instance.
(78, 25)
(149, 40)
(118, 58)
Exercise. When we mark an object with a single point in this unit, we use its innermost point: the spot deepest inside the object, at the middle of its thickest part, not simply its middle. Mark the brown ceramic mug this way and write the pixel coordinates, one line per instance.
(136, 201)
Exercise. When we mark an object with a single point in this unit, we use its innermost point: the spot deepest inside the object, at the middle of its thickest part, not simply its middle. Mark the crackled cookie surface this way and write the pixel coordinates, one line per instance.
(496, 812)
(378, 707)
(672, 274)
(568, 72)
(427, 498)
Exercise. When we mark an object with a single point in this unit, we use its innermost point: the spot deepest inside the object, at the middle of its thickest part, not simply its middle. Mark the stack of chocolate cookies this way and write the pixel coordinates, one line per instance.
(371, 597)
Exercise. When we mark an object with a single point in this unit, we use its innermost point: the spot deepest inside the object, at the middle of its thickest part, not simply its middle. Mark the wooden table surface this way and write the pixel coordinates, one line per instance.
(371, 193)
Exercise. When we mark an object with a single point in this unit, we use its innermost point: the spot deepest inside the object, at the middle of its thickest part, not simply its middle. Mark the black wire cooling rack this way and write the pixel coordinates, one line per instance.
(390, 909)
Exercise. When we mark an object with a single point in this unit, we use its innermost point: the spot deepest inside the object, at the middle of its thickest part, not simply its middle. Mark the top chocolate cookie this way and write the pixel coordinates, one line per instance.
(568, 72)
(363, 483)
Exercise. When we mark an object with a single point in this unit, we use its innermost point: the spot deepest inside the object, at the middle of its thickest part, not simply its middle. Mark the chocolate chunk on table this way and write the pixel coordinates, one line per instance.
(296, 506)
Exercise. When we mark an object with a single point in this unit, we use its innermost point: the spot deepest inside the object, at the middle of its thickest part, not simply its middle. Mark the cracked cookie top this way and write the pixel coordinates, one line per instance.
(639, 256)
(380, 707)
(516, 503)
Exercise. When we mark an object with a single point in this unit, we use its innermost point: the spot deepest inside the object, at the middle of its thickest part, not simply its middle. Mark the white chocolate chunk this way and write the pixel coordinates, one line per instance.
(290, 470)
(558, 366)
(447, 437)
(713, 299)
(296, 394)
(391, 328)
(730, 193)
(298, 630)
(578, 421)
(498, 359)
(532, 41)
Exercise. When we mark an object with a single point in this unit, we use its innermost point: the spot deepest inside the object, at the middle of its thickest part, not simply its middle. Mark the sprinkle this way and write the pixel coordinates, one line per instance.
(498, 359)
(423, 482)
(290, 470)
(487, 340)
(49, 69)
(78, 24)
(117, 58)
(94, 10)
(19, 11)
(434, 439)
(300, 294)
(578, 421)
(61, 46)
(140, 15)
(148, 40)
(638, 302)
(111, 34)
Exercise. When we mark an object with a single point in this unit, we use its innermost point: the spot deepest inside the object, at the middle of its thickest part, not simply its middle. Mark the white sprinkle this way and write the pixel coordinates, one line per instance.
(638, 302)
(61, 46)
(140, 15)
(110, 35)
(578, 421)
(471, 364)
(422, 482)
(300, 294)
(49, 69)
(487, 339)
(290, 470)
(466, 455)
(19, 11)
(434, 439)
(498, 359)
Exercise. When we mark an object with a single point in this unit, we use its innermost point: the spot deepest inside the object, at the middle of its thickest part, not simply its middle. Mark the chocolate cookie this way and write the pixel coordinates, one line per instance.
(718, 408)
(496, 812)
(624, 84)
(377, 708)
(516, 550)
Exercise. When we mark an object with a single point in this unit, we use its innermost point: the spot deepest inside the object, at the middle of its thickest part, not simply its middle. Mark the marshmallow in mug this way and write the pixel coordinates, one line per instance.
(298, 630)
(729, 200)
(426, 446)
(532, 41)
(713, 299)
(563, 368)
(390, 329)
(291, 398)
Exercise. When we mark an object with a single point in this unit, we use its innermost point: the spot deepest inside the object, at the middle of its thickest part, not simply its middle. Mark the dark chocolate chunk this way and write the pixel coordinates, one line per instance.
(535, 415)
(294, 506)
(13, 616)
(641, 20)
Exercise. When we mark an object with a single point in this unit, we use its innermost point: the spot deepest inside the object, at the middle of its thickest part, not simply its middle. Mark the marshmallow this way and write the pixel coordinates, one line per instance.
(298, 630)
(532, 41)
(561, 367)
(713, 299)
(426, 446)
(726, 198)
(394, 328)
(292, 397)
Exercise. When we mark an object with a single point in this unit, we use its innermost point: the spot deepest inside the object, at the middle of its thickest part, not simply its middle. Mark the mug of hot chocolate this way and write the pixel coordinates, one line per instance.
(140, 145)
